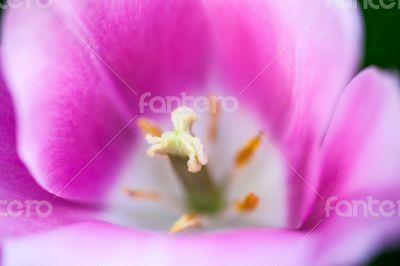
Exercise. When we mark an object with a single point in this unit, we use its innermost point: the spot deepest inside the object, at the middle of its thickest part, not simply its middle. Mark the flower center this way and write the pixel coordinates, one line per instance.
(188, 160)
(204, 197)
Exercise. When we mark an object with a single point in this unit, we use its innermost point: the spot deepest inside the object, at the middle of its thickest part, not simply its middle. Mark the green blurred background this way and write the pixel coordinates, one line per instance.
(382, 48)
(382, 43)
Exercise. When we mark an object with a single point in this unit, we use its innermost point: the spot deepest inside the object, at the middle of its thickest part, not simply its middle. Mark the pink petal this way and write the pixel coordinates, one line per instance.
(289, 62)
(161, 47)
(89, 243)
(287, 59)
(18, 190)
(70, 134)
(360, 161)
(336, 241)
(362, 146)
(355, 240)
(76, 70)
(366, 129)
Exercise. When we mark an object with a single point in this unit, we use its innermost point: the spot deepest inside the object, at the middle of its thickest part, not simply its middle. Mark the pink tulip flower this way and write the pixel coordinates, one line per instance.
(82, 80)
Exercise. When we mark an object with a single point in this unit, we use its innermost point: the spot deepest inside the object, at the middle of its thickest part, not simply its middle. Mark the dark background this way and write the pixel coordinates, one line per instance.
(381, 48)
(382, 29)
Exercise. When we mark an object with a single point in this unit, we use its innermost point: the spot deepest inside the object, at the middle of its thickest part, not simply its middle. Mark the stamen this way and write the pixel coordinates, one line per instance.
(247, 152)
(185, 222)
(149, 127)
(180, 142)
(147, 195)
(214, 114)
(248, 203)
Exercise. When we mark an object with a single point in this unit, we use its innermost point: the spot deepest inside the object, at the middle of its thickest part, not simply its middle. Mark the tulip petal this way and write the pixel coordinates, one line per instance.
(354, 235)
(331, 242)
(161, 47)
(276, 56)
(288, 61)
(90, 63)
(360, 173)
(362, 145)
(88, 243)
(20, 195)
(71, 135)
(334, 241)
(366, 129)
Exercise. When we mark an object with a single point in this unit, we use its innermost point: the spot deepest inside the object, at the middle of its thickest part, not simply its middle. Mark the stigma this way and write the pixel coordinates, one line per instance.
(180, 141)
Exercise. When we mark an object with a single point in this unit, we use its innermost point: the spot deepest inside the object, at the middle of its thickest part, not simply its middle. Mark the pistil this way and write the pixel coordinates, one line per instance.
(203, 196)
(188, 160)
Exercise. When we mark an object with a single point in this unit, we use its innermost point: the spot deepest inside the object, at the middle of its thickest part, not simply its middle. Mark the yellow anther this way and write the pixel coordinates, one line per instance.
(140, 194)
(246, 153)
(214, 114)
(248, 203)
(149, 127)
(185, 222)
